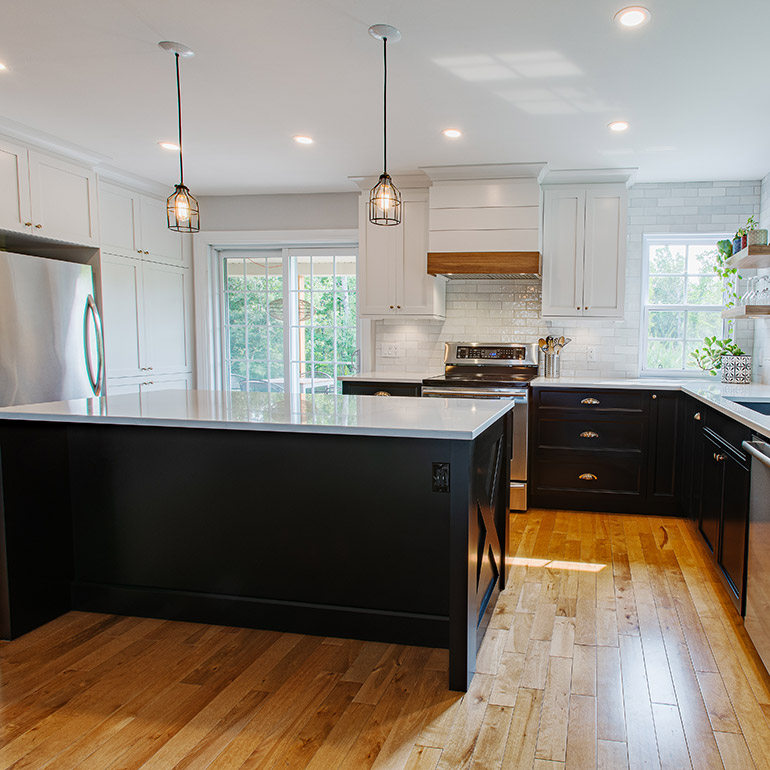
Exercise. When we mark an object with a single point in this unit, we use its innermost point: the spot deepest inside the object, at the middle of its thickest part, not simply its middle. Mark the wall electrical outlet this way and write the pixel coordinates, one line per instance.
(591, 354)
(390, 350)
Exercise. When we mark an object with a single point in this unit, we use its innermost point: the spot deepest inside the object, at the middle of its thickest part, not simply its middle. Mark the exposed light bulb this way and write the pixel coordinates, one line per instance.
(385, 200)
(182, 208)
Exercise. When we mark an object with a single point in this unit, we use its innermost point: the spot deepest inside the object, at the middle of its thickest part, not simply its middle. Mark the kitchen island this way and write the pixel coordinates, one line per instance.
(347, 516)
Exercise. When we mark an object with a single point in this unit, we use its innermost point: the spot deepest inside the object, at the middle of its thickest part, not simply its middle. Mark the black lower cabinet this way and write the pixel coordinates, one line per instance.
(607, 450)
(724, 500)
(371, 388)
(692, 415)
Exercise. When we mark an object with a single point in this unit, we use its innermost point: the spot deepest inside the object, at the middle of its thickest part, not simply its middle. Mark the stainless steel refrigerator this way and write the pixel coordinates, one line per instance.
(51, 344)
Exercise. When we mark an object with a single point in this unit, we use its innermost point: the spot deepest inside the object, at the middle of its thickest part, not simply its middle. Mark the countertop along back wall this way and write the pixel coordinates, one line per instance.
(492, 311)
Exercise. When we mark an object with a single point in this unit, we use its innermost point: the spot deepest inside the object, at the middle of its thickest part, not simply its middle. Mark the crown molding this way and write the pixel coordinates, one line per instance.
(413, 179)
(127, 179)
(625, 176)
(484, 172)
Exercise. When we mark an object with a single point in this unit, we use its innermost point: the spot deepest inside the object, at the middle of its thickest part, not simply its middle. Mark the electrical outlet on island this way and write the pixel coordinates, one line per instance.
(390, 350)
(591, 354)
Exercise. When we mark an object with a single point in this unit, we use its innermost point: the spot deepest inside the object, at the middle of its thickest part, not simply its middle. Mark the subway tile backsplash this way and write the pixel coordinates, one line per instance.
(504, 311)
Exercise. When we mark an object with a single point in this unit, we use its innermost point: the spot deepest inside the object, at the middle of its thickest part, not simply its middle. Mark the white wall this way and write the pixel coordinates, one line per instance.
(491, 311)
(315, 211)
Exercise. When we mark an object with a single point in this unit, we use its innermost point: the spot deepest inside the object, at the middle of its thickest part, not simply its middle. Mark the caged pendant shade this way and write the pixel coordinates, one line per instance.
(182, 210)
(384, 198)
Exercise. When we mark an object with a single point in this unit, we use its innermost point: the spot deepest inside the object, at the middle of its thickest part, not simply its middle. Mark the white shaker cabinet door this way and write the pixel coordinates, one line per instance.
(380, 248)
(123, 321)
(563, 242)
(63, 200)
(14, 189)
(605, 252)
(168, 318)
(119, 221)
(158, 242)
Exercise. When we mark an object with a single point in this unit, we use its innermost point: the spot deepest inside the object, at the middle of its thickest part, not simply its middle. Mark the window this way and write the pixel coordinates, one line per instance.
(681, 300)
(289, 319)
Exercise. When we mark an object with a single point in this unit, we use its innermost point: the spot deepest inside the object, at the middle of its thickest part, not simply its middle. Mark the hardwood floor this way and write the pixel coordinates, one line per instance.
(614, 646)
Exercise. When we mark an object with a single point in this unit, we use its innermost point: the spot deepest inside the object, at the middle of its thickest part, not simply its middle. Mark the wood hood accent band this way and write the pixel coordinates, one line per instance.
(474, 262)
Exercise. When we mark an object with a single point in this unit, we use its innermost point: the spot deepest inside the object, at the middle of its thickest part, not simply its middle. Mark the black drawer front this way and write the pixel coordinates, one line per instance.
(588, 474)
(383, 388)
(586, 433)
(594, 400)
(727, 429)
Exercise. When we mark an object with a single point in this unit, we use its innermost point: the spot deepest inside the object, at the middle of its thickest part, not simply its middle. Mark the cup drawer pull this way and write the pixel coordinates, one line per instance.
(587, 477)
(590, 401)
(589, 434)
(383, 393)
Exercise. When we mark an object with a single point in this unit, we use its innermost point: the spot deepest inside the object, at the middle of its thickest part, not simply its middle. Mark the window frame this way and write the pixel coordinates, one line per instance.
(648, 241)
(286, 254)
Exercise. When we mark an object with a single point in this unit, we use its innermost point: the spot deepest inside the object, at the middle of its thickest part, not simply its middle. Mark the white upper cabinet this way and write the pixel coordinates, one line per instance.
(393, 264)
(63, 200)
(584, 250)
(135, 225)
(46, 196)
(14, 188)
(147, 317)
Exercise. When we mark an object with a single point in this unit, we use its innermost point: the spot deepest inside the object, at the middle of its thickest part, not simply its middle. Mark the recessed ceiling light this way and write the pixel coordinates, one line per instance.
(617, 125)
(169, 146)
(633, 16)
(2, 66)
(304, 140)
(452, 133)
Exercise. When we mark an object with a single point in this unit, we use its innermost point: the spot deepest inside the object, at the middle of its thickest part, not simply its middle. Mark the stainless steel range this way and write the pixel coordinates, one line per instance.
(493, 370)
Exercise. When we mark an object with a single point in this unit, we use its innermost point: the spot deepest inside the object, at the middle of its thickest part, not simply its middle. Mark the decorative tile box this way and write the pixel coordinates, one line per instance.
(736, 369)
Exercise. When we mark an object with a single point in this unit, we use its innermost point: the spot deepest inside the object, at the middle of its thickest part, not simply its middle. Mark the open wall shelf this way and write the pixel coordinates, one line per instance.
(751, 257)
(748, 311)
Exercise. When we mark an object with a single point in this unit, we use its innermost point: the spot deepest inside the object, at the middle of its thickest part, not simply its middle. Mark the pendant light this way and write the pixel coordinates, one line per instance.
(384, 198)
(181, 208)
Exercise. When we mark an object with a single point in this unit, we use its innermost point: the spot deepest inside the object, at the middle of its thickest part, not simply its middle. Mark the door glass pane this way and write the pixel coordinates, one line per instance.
(317, 306)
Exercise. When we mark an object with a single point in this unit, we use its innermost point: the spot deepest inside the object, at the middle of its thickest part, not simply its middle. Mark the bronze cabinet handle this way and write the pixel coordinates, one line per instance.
(587, 477)
(28, 224)
(719, 457)
(589, 434)
(383, 393)
(39, 227)
(590, 401)
(697, 416)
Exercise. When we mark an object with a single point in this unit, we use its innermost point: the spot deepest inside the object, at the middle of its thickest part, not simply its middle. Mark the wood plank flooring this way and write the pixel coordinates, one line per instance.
(614, 647)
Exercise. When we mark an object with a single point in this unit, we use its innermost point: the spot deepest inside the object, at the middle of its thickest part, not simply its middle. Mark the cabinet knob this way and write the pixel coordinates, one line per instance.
(586, 307)
(39, 226)
(590, 401)
(28, 224)
(138, 251)
(587, 477)
(697, 416)
(146, 252)
(654, 396)
(383, 393)
(398, 307)
(577, 308)
(719, 457)
(589, 434)
(391, 307)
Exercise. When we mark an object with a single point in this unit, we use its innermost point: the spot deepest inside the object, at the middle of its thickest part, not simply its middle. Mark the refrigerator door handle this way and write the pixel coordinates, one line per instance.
(97, 383)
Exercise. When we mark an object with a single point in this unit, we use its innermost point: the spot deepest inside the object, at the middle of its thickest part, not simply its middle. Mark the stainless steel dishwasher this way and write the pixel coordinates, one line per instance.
(757, 620)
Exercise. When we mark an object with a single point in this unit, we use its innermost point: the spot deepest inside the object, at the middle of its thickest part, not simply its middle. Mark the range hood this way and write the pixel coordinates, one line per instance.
(480, 265)
(485, 220)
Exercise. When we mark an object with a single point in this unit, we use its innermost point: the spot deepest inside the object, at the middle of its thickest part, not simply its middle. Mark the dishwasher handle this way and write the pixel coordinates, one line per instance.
(752, 448)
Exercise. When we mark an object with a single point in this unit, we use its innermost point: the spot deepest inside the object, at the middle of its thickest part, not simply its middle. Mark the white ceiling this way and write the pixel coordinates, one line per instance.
(525, 80)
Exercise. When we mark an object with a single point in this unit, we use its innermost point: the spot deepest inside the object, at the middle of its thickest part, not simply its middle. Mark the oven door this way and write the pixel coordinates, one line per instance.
(519, 439)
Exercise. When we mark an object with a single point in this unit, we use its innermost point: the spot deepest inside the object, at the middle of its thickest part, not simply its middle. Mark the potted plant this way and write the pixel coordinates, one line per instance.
(737, 240)
(755, 236)
(725, 355)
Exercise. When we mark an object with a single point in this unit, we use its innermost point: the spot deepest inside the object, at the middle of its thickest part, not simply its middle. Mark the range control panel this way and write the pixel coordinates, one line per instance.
(492, 353)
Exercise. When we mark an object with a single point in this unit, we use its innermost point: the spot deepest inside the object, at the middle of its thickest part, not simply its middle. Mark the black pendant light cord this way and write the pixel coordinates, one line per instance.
(179, 115)
(385, 106)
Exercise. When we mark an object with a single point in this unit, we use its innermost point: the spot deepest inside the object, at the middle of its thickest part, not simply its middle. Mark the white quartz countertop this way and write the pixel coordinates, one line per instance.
(410, 377)
(404, 417)
(721, 396)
